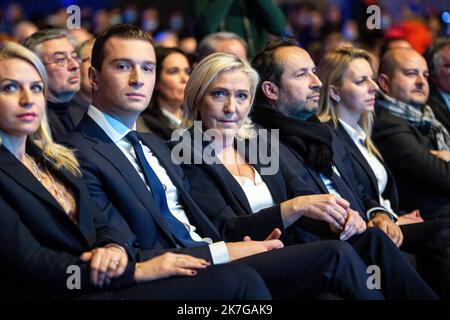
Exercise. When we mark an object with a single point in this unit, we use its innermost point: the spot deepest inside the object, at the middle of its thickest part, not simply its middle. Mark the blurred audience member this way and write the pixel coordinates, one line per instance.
(84, 97)
(252, 20)
(438, 58)
(189, 45)
(165, 111)
(166, 38)
(23, 30)
(150, 19)
(101, 21)
(62, 63)
(80, 34)
(227, 42)
(413, 31)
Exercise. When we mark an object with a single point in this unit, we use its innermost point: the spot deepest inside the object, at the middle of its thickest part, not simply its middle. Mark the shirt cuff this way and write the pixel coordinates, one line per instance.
(219, 252)
(371, 211)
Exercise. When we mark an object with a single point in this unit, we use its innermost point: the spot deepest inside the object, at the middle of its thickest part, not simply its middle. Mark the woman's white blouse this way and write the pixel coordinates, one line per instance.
(359, 137)
(257, 193)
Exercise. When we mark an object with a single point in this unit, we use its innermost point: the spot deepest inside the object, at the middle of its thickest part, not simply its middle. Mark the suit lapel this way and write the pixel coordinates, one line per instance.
(233, 186)
(357, 155)
(196, 217)
(17, 171)
(106, 148)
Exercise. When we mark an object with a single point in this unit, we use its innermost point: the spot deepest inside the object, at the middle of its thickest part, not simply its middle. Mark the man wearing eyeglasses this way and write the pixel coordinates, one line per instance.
(62, 63)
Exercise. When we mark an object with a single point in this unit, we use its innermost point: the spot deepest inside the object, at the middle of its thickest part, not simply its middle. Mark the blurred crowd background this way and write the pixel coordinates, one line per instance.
(318, 25)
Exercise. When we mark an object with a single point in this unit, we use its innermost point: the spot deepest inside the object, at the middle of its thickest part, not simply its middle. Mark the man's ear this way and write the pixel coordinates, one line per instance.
(92, 73)
(334, 94)
(383, 82)
(270, 90)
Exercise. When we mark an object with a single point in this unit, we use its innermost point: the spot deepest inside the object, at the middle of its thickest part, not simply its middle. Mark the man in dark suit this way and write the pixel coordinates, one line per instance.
(438, 59)
(287, 99)
(412, 141)
(132, 178)
(62, 63)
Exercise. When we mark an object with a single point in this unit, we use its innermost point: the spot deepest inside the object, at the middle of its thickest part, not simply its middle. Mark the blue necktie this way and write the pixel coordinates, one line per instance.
(177, 229)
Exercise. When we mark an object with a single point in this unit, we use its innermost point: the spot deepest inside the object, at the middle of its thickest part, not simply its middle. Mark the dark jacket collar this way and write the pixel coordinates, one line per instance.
(10, 165)
(310, 139)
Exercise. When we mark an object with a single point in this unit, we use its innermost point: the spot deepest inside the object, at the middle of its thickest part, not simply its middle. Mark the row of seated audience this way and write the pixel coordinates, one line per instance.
(114, 202)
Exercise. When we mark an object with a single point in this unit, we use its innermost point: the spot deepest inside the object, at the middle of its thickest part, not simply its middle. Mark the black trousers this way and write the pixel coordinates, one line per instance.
(399, 279)
(223, 282)
(430, 243)
(302, 271)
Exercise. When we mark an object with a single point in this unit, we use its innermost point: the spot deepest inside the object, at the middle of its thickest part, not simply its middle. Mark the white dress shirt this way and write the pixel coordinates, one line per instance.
(117, 131)
(257, 193)
(359, 137)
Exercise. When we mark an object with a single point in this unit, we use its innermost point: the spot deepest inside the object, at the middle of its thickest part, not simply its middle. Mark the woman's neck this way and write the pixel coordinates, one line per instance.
(349, 117)
(173, 107)
(15, 145)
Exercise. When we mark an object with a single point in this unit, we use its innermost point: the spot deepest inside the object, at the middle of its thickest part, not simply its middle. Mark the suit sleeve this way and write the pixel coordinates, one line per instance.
(232, 227)
(113, 217)
(405, 155)
(37, 266)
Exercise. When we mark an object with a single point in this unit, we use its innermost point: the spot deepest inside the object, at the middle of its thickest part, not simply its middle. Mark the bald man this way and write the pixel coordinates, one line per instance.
(412, 141)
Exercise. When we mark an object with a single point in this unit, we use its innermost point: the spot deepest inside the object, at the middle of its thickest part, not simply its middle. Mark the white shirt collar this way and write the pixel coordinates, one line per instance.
(172, 118)
(357, 135)
(113, 127)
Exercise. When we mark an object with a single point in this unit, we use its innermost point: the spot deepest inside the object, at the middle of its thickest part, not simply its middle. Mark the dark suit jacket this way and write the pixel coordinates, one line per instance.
(221, 197)
(440, 109)
(364, 173)
(153, 120)
(39, 241)
(121, 193)
(423, 179)
(76, 109)
(347, 184)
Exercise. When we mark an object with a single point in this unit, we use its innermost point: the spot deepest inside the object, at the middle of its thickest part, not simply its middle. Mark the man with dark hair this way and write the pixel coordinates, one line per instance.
(58, 53)
(287, 100)
(131, 176)
(438, 58)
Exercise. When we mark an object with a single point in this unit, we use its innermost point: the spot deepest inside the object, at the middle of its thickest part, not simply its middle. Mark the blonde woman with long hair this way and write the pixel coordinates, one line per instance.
(347, 102)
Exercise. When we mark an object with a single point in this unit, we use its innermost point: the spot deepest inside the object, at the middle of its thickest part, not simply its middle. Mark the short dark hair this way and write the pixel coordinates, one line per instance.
(268, 65)
(123, 31)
